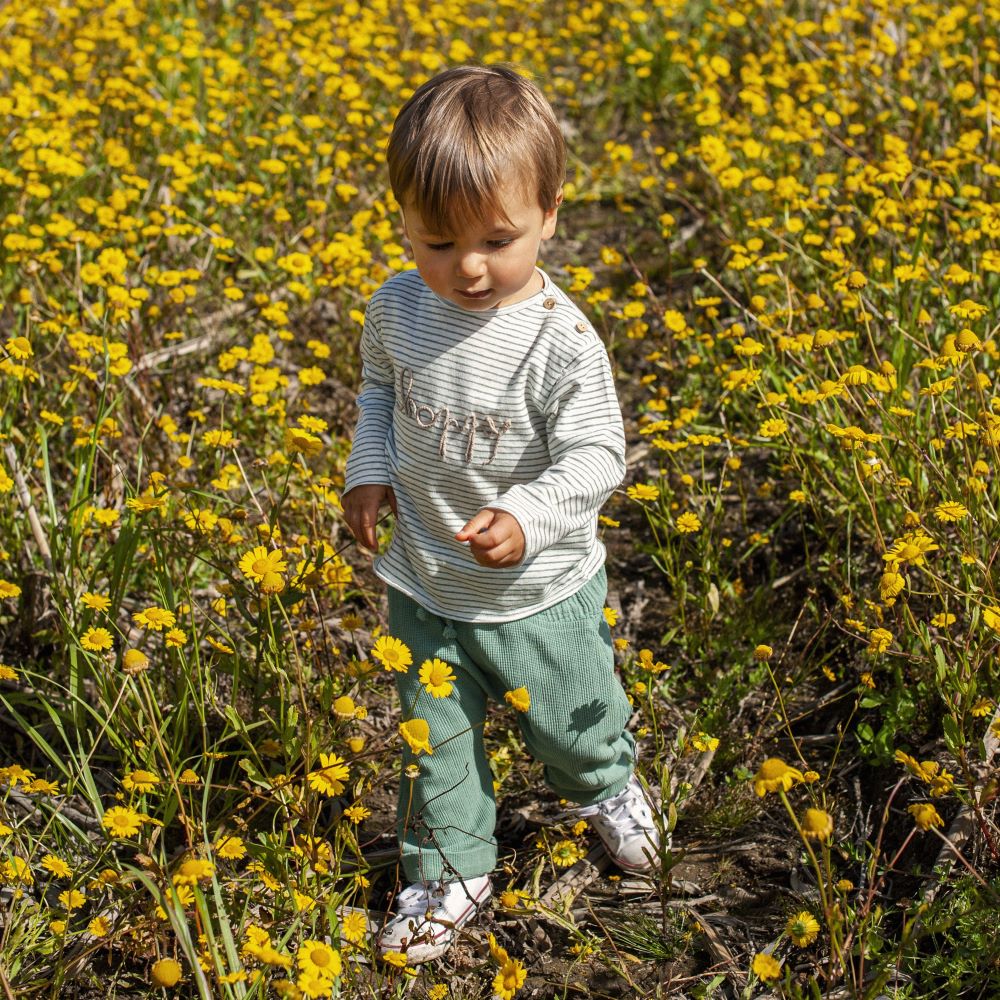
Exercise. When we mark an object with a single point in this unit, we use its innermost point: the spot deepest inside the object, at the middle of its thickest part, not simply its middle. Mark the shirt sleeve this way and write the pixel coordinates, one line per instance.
(376, 399)
(586, 442)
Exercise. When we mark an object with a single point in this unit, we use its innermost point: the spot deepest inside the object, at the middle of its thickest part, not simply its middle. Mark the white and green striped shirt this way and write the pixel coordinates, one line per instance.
(511, 408)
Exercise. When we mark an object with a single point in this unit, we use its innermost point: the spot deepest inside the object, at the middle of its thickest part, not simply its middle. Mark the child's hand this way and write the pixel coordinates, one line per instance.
(495, 538)
(361, 507)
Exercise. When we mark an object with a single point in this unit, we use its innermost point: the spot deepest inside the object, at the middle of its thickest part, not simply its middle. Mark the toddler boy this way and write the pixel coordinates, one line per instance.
(489, 424)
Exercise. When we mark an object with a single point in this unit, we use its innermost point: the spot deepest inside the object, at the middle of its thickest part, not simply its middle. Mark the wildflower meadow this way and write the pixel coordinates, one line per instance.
(783, 219)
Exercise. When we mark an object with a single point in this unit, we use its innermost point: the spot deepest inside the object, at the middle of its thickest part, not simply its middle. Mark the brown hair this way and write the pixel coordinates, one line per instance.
(463, 135)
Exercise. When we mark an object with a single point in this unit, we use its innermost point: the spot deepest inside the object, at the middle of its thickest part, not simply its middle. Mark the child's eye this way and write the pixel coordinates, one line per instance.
(499, 244)
(438, 246)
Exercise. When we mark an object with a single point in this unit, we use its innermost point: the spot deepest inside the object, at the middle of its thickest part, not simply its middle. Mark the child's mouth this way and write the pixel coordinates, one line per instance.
(475, 295)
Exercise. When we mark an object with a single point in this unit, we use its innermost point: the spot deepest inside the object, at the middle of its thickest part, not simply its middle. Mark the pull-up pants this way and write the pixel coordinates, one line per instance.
(575, 725)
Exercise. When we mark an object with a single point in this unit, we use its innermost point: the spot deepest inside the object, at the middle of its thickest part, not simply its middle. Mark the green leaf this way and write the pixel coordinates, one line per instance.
(952, 734)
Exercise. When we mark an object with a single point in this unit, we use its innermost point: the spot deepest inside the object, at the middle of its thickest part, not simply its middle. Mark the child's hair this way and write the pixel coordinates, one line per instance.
(463, 135)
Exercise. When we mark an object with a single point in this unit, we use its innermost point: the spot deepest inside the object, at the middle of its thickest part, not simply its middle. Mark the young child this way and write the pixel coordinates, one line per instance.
(489, 425)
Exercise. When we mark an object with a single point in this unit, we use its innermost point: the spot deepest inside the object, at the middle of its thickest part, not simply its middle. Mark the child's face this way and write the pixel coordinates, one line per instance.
(487, 263)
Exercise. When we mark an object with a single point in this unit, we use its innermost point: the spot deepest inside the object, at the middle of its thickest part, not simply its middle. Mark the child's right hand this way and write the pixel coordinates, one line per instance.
(361, 507)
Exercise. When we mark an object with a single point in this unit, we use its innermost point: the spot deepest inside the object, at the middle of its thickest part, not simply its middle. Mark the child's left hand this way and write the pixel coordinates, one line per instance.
(495, 538)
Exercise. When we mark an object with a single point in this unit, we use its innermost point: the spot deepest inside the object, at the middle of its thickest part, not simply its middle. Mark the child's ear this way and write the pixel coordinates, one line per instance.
(549, 222)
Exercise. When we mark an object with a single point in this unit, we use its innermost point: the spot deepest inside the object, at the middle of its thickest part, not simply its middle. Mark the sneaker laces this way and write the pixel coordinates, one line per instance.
(415, 900)
(628, 812)
(421, 898)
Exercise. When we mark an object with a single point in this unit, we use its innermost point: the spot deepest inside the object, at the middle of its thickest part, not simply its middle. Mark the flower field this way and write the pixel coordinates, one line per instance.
(784, 220)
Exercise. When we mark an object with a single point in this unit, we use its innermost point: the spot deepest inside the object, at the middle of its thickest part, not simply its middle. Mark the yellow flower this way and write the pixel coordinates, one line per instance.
(911, 548)
(193, 870)
(299, 440)
(766, 967)
(925, 815)
(774, 775)
(436, 676)
(688, 523)
(344, 707)
(97, 602)
(14, 773)
(762, 653)
(772, 428)
(175, 638)
(968, 309)
(519, 699)
(19, 348)
(802, 928)
(303, 902)
(40, 785)
(357, 812)
(140, 781)
(354, 927)
(566, 853)
(891, 584)
(166, 973)
(817, 824)
(72, 899)
(121, 822)
(911, 763)
(704, 742)
(296, 263)
(264, 566)
(96, 639)
(57, 866)
(318, 959)
(643, 491)
(155, 618)
(135, 661)
(497, 953)
(417, 734)
(16, 869)
(950, 510)
(941, 781)
(879, 640)
(610, 616)
(509, 979)
(231, 848)
(330, 777)
(392, 653)
(991, 616)
(220, 646)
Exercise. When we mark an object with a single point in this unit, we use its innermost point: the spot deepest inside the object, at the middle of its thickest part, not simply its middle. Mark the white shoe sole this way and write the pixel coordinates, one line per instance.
(436, 937)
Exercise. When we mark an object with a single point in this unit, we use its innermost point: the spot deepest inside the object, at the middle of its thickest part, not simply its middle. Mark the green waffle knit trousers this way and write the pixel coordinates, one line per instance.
(575, 725)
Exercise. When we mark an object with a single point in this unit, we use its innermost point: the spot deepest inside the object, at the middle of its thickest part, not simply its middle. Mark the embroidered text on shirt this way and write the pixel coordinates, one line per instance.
(426, 417)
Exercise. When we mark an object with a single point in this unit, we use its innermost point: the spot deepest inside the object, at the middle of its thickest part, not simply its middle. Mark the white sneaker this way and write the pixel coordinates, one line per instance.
(626, 828)
(429, 913)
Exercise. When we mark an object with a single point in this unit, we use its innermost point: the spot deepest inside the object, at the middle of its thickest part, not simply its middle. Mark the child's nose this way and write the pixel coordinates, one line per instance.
(471, 265)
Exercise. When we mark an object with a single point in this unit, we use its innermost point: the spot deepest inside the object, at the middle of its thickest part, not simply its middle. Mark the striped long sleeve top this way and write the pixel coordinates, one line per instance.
(511, 408)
